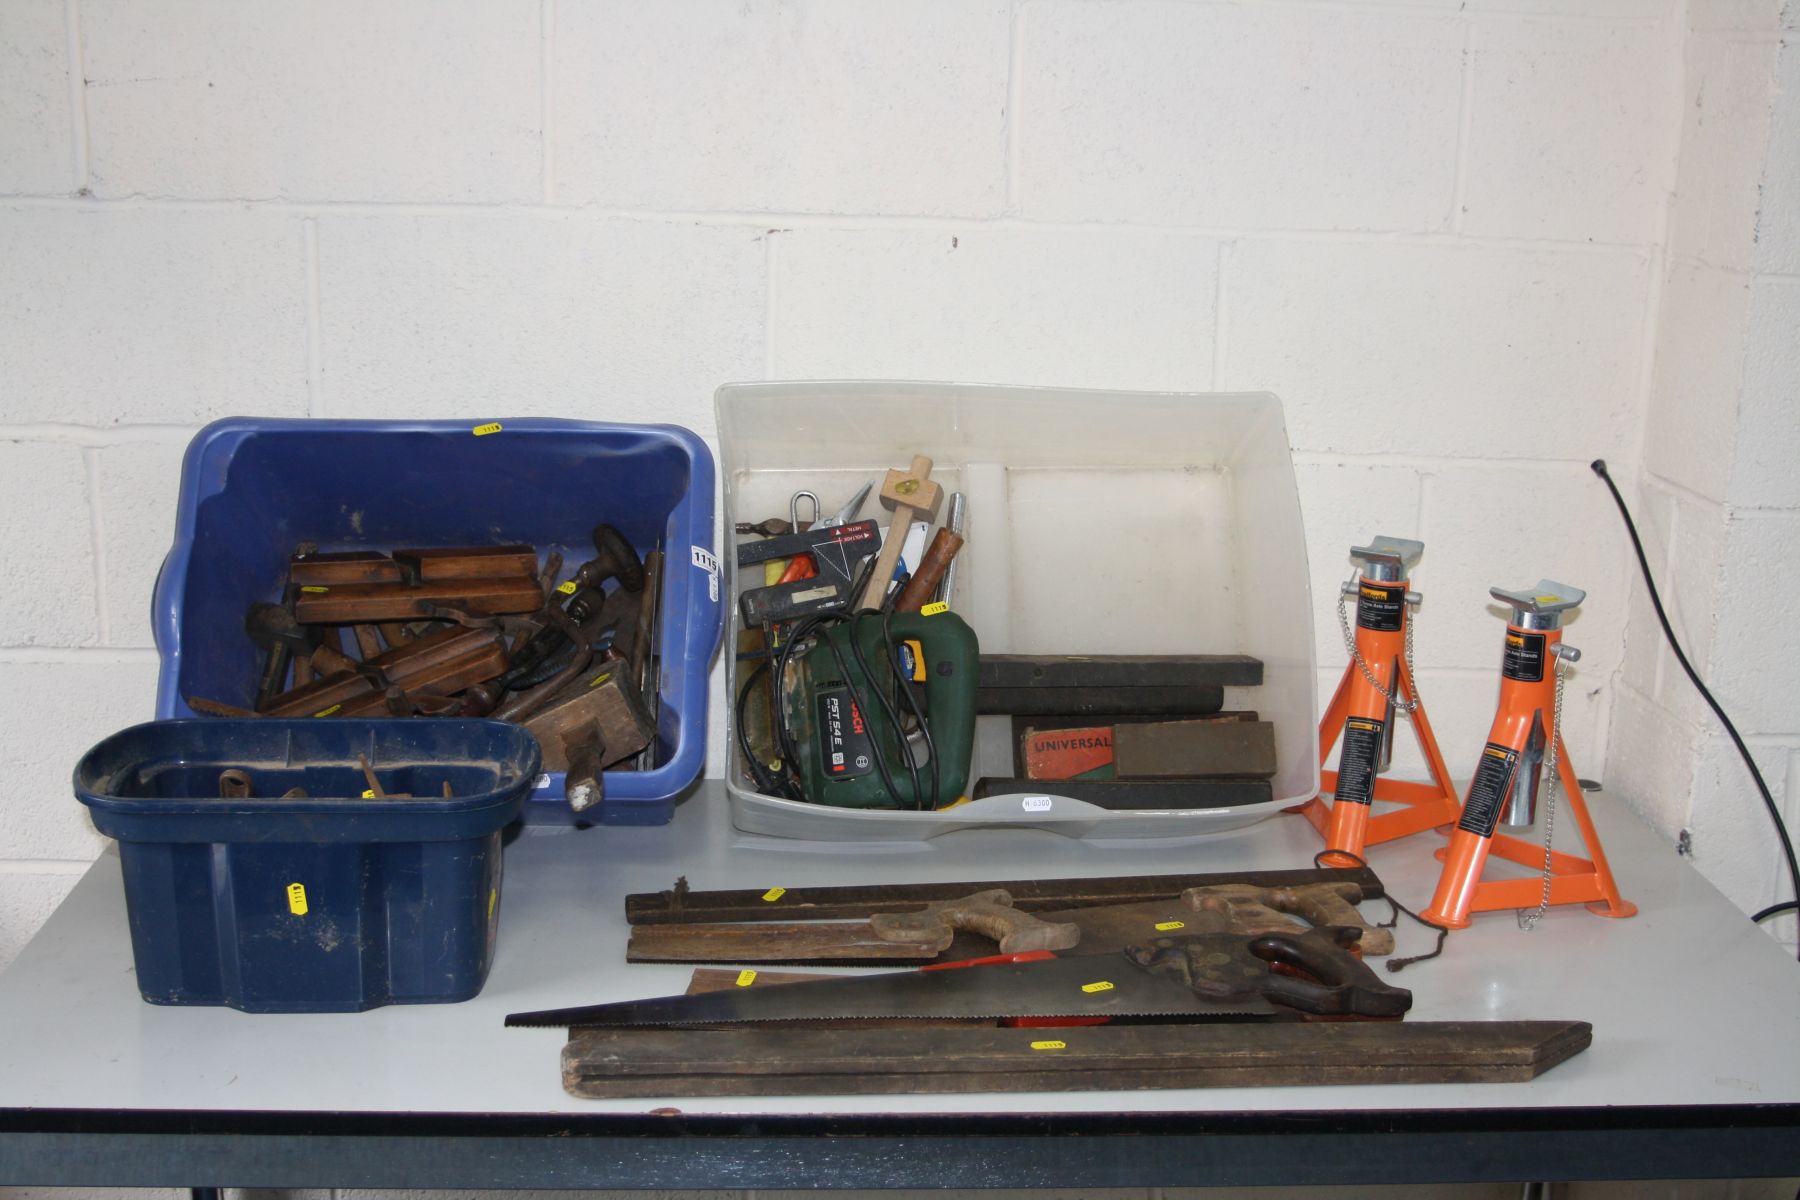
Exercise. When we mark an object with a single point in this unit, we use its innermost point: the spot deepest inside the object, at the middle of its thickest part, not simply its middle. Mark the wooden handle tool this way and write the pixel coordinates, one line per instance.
(930, 572)
(911, 496)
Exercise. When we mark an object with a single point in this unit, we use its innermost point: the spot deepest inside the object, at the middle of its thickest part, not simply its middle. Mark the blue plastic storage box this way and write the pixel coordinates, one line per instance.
(251, 490)
(335, 902)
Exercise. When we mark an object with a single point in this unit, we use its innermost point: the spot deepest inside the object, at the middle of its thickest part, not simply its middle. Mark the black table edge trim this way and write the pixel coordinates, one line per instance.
(673, 1123)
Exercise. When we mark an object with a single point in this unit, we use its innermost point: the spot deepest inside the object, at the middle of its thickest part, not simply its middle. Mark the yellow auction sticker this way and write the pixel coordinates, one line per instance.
(296, 894)
(746, 978)
(567, 587)
(326, 712)
(313, 587)
(599, 679)
(1165, 926)
(368, 794)
(484, 430)
(774, 894)
(1049, 1045)
(934, 608)
(1098, 986)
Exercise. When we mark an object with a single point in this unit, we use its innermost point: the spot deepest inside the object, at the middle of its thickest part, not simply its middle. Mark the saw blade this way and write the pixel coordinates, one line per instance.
(1056, 988)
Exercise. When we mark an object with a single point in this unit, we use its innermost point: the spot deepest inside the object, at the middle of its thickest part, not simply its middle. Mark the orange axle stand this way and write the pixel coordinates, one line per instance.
(1358, 714)
(1508, 769)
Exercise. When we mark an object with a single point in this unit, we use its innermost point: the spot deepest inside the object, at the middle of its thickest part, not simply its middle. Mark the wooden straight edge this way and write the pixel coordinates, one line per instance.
(773, 942)
(1100, 701)
(779, 1048)
(625, 1087)
(612, 1063)
(1118, 670)
(681, 905)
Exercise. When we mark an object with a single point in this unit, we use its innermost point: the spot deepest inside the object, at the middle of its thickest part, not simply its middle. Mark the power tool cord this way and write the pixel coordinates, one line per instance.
(1762, 787)
(767, 782)
(911, 699)
(1395, 909)
(784, 740)
(787, 784)
(906, 692)
(924, 724)
(887, 708)
(790, 751)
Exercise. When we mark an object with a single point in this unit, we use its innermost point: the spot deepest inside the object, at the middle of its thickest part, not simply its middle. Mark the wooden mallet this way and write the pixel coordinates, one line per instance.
(911, 496)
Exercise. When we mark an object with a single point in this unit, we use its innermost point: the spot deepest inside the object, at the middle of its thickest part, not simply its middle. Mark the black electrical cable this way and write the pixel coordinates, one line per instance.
(790, 751)
(892, 714)
(862, 582)
(905, 746)
(863, 575)
(1393, 964)
(908, 696)
(1762, 787)
(803, 629)
(743, 735)
(766, 780)
(1774, 910)
(912, 703)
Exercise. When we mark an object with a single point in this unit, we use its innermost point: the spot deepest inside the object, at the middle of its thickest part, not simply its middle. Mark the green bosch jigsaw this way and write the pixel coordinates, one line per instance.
(850, 695)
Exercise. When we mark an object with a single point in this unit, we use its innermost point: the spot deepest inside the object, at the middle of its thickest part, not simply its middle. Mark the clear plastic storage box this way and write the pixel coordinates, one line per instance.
(1097, 523)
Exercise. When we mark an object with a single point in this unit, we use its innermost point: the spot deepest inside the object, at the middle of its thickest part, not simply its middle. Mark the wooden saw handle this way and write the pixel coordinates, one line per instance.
(989, 913)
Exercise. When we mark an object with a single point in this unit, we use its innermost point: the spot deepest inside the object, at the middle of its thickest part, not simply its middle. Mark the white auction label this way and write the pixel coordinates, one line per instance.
(708, 562)
(1037, 804)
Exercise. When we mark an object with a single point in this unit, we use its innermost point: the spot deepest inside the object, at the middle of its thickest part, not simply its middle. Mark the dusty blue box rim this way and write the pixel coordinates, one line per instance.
(318, 819)
(691, 620)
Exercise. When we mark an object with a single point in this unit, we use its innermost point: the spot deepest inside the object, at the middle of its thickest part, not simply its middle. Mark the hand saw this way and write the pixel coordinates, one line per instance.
(952, 929)
(1205, 977)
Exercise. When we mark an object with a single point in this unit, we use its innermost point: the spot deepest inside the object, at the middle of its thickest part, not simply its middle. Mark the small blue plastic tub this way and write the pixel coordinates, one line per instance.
(336, 901)
(252, 489)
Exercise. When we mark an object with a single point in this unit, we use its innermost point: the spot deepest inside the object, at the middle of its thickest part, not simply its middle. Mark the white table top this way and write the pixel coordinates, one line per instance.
(1690, 1004)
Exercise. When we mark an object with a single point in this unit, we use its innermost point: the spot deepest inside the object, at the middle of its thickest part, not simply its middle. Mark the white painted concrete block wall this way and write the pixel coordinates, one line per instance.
(1434, 227)
(1717, 493)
